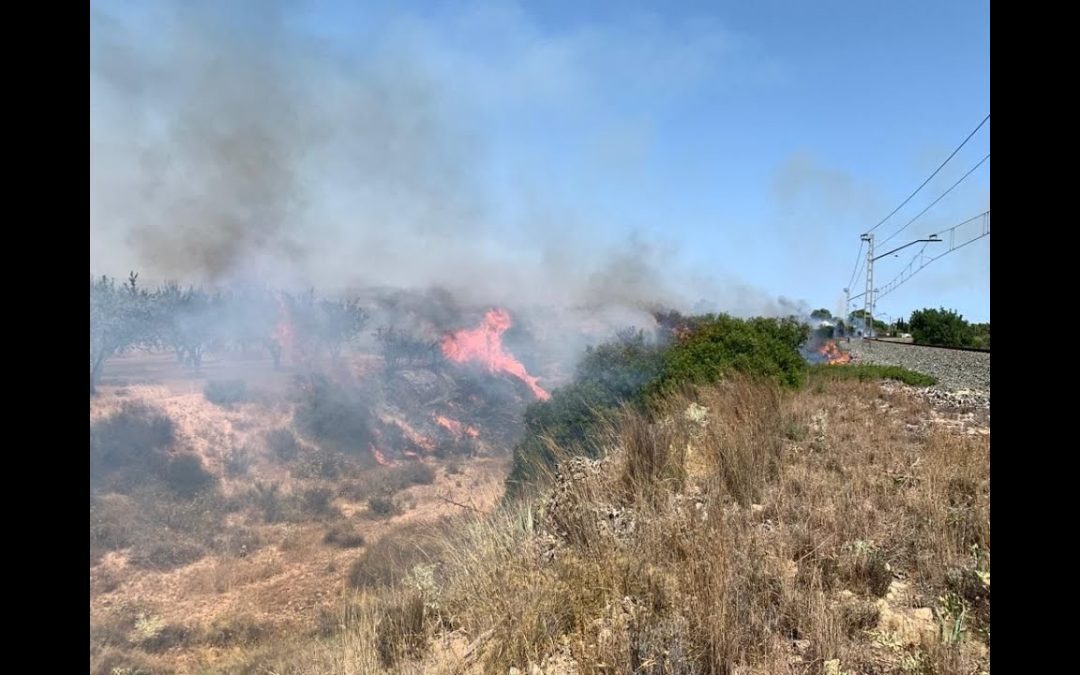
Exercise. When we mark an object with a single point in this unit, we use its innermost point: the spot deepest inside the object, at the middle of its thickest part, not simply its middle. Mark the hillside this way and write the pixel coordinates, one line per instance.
(840, 527)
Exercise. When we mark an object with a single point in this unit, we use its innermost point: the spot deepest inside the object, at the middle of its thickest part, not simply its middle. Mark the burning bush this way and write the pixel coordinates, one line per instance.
(609, 375)
(631, 370)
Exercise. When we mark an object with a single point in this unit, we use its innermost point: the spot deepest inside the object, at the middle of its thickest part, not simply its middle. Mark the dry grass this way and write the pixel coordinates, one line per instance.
(737, 529)
(709, 542)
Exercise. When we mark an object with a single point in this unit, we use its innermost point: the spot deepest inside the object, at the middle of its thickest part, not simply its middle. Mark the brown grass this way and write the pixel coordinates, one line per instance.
(710, 541)
(736, 529)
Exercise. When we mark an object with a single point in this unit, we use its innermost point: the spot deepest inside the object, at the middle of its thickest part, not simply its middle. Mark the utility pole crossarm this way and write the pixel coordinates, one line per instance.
(871, 292)
(933, 238)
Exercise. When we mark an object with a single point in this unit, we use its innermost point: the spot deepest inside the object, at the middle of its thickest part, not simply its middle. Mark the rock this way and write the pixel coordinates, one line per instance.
(697, 414)
(963, 377)
(909, 626)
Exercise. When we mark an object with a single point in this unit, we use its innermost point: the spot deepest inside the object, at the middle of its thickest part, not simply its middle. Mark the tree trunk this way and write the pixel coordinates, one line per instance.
(95, 372)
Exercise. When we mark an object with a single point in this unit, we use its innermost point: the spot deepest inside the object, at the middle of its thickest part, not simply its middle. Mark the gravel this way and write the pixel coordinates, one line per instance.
(963, 377)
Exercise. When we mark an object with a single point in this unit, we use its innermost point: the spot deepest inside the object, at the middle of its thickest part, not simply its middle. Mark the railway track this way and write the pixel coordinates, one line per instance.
(912, 344)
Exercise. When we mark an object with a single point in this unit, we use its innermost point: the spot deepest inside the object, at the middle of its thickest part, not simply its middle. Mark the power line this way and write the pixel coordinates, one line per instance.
(908, 272)
(970, 171)
(855, 269)
(931, 176)
(984, 214)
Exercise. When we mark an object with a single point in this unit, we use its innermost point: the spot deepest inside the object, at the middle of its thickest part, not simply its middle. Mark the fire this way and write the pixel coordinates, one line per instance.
(456, 428)
(412, 435)
(379, 457)
(484, 344)
(832, 353)
(283, 331)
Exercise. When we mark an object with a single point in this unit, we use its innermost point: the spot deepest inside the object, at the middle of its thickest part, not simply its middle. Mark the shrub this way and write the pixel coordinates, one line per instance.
(238, 461)
(112, 521)
(722, 345)
(129, 445)
(383, 506)
(186, 475)
(396, 553)
(282, 443)
(335, 415)
(418, 473)
(235, 630)
(317, 501)
(169, 552)
(161, 638)
(631, 371)
(400, 632)
(322, 463)
(608, 376)
(388, 481)
(941, 327)
(267, 499)
(226, 393)
(343, 535)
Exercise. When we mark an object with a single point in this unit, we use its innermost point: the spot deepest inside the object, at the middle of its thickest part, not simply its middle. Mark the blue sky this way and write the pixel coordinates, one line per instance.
(739, 147)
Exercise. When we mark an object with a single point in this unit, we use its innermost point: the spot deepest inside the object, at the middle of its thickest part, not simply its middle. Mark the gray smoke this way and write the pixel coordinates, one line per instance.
(227, 145)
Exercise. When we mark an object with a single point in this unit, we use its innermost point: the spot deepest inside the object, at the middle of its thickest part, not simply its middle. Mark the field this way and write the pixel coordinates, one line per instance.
(839, 527)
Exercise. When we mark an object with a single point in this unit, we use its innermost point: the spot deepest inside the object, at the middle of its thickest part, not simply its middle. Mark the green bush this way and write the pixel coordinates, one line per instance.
(941, 327)
(721, 345)
(608, 376)
(630, 370)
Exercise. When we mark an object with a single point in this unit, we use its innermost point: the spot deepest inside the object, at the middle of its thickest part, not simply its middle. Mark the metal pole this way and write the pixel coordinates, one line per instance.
(847, 310)
(868, 301)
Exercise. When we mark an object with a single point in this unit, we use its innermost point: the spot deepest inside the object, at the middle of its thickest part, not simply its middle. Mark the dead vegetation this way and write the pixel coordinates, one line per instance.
(741, 530)
(737, 528)
(706, 541)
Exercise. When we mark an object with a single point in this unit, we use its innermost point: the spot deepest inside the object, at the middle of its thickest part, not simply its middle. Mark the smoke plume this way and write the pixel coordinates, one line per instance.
(230, 144)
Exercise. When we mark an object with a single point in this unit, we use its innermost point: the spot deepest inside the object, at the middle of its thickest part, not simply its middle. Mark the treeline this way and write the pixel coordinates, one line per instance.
(637, 368)
(946, 328)
(937, 327)
(192, 321)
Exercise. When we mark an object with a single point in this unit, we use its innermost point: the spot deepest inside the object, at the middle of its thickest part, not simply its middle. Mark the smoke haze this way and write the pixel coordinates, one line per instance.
(231, 145)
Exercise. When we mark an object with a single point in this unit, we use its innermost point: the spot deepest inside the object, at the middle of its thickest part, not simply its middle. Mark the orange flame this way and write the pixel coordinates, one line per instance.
(832, 353)
(379, 458)
(484, 344)
(456, 428)
(412, 435)
(283, 331)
